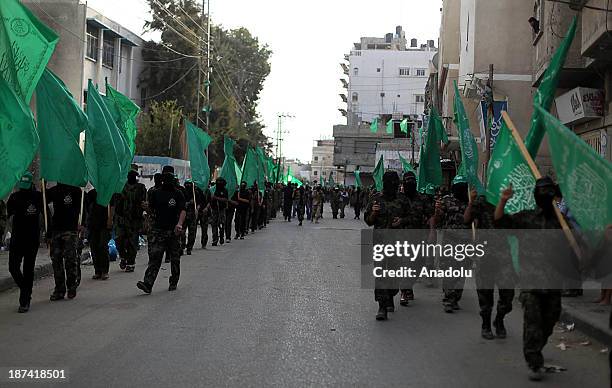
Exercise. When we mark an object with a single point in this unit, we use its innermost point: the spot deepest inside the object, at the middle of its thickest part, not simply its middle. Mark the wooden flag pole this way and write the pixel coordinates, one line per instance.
(536, 173)
(44, 194)
(195, 205)
(82, 205)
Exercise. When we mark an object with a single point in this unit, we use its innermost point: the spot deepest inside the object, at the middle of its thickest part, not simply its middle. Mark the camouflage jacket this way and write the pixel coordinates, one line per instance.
(453, 212)
(418, 211)
(390, 208)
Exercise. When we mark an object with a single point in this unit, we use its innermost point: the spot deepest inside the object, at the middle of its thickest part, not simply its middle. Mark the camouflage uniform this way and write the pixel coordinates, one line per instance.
(541, 307)
(334, 201)
(230, 213)
(191, 219)
(166, 205)
(453, 211)
(495, 270)
(64, 238)
(385, 289)
(299, 199)
(218, 217)
(129, 222)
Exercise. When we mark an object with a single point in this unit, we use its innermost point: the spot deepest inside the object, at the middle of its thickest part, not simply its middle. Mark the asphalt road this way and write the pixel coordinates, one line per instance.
(282, 308)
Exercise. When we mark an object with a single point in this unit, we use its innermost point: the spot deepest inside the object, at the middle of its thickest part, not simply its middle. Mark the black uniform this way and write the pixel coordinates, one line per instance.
(25, 206)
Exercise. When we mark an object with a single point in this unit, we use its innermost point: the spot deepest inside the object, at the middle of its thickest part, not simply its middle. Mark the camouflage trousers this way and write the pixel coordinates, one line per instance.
(190, 229)
(127, 242)
(160, 242)
(541, 311)
(452, 287)
(386, 288)
(495, 272)
(218, 226)
(203, 221)
(65, 261)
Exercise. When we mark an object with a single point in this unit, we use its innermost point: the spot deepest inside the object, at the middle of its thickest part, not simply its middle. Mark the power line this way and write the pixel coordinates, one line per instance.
(171, 86)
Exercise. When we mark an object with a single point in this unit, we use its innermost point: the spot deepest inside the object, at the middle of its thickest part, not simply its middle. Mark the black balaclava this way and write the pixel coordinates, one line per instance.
(157, 179)
(460, 191)
(167, 180)
(410, 184)
(391, 183)
(544, 193)
(132, 177)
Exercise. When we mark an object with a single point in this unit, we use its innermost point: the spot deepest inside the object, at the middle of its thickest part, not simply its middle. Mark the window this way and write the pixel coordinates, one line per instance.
(365, 147)
(538, 17)
(316, 173)
(404, 71)
(355, 97)
(92, 43)
(378, 70)
(419, 98)
(420, 72)
(108, 53)
(316, 158)
(356, 71)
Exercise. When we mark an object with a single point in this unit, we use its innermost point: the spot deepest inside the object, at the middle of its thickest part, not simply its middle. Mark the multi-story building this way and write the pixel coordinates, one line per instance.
(92, 46)
(477, 38)
(583, 96)
(386, 81)
(322, 162)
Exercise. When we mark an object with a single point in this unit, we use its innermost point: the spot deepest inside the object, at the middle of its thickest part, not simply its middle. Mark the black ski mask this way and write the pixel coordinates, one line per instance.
(544, 194)
(460, 191)
(391, 183)
(410, 184)
(132, 177)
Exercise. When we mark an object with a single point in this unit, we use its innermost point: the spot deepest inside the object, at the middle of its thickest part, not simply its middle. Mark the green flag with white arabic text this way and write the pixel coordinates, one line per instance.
(26, 45)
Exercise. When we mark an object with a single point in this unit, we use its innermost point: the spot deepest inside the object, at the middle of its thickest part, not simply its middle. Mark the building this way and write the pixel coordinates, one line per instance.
(299, 169)
(92, 47)
(583, 102)
(322, 162)
(479, 38)
(386, 81)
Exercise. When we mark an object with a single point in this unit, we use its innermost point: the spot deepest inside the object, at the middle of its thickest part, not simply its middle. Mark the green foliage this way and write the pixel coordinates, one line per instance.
(154, 134)
(240, 66)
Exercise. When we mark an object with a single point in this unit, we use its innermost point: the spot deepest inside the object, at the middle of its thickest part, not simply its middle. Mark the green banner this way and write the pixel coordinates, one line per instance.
(198, 142)
(60, 122)
(378, 173)
(26, 45)
(430, 168)
(585, 178)
(124, 113)
(374, 125)
(18, 138)
(469, 149)
(228, 170)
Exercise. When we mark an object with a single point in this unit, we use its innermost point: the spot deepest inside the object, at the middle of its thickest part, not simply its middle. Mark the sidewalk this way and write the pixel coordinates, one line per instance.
(590, 318)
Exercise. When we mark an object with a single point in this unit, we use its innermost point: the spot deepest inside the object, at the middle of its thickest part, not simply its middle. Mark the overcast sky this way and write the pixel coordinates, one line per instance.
(308, 40)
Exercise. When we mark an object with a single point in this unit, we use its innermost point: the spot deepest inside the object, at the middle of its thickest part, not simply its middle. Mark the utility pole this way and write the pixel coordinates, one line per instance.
(279, 142)
(207, 63)
(490, 99)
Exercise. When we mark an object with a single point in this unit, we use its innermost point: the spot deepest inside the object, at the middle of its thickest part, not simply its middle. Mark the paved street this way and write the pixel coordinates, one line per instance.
(282, 308)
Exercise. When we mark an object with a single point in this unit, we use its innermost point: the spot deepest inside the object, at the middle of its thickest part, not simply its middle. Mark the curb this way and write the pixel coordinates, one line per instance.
(587, 325)
(40, 271)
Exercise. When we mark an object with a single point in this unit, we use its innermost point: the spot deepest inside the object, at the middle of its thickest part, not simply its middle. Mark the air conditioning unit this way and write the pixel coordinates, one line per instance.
(577, 5)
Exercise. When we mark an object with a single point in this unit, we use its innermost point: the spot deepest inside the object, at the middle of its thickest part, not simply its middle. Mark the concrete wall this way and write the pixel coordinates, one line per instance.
(67, 19)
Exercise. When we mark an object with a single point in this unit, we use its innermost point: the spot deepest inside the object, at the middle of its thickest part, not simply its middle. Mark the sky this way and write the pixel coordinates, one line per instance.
(308, 40)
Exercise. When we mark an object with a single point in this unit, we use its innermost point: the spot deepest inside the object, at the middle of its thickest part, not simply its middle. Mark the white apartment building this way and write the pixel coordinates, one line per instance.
(385, 77)
(322, 161)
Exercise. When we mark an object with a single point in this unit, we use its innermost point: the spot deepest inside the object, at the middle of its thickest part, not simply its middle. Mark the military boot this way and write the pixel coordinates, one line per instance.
(382, 312)
(500, 329)
(486, 332)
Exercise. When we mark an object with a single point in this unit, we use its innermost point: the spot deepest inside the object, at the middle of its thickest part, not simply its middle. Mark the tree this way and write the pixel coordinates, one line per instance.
(160, 126)
(240, 66)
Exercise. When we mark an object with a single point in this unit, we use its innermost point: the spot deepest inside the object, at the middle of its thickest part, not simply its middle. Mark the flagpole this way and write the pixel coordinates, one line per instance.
(44, 194)
(195, 206)
(536, 173)
(82, 203)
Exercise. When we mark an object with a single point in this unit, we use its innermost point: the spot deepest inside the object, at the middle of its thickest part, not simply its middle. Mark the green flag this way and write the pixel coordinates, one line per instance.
(198, 142)
(390, 127)
(430, 168)
(60, 122)
(404, 126)
(545, 94)
(358, 178)
(585, 178)
(250, 173)
(228, 170)
(296, 181)
(238, 172)
(406, 166)
(107, 155)
(124, 112)
(469, 149)
(18, 138)
(378, 173)
(374, 125)
(508, 167)
(261, 169)
(26, 45)
(330, 181)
